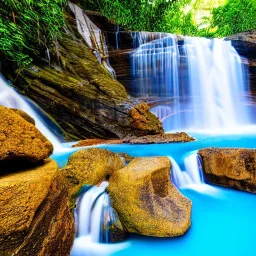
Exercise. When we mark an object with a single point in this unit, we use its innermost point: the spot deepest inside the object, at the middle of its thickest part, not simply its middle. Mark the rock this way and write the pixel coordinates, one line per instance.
(20, 139)
(90, 142)
(35, 218)
(146, 201)
(80, 95)
(161, 138)
(23, 114)
(245, 44)
(149, 139)
(230, 167)
(90, 167)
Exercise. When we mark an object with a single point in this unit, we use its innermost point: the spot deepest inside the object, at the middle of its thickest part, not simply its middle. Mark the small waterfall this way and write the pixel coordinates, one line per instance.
(12, 99)
(96, 218)
(202, 80)
(97, 223)
(93, 36)
(192, 175)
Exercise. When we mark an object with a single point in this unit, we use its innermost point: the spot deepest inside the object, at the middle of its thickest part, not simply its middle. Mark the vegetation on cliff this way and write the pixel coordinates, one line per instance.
(28, 26)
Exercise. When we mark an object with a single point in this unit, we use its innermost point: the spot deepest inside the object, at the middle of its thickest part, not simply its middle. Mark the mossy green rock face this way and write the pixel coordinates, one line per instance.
(20, 139)
(90, 166)
(146, 201)
(35, 218)
(230, 167)
(80, 94)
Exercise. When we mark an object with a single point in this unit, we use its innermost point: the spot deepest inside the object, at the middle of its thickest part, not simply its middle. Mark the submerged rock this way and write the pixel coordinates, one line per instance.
(20, 139)
(146, 200)
(35, 218)
(149, 139)
(230, 167)
(90, 166)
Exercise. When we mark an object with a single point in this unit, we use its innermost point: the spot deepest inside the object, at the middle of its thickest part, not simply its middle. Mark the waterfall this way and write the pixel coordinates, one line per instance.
(192, 175)
(95, 221)
(215, 82)
(12, 99)
(202, 81)
(93, 36)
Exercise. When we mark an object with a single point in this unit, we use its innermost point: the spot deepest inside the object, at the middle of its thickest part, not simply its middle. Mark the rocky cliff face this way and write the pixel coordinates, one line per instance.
(79, 93)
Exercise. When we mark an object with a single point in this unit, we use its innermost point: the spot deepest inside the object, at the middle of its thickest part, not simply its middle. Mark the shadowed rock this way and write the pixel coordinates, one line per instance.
(234, 168)
(146, 201)
(35, 218)
(23, 114)
(20, 139)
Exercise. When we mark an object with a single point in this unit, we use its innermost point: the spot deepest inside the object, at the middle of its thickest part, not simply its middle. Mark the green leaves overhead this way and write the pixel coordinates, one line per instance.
(28, 26)
(210, 18)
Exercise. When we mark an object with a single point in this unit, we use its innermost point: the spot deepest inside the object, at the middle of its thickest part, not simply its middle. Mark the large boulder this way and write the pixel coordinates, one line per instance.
(230, 167)
(35, 218)
(90, 167)
(20, 139)
(146, 201)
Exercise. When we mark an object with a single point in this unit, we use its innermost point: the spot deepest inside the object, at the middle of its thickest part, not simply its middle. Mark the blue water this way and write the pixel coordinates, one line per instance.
(223, 220)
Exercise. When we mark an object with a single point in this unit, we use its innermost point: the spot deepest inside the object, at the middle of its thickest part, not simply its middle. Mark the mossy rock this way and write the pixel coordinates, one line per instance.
(146, 201)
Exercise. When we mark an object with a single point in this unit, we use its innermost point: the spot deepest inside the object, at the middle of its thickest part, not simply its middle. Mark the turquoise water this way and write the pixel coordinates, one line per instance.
(223, 220)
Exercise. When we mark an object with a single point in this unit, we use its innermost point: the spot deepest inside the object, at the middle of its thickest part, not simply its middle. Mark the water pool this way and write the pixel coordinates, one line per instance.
(222, 219)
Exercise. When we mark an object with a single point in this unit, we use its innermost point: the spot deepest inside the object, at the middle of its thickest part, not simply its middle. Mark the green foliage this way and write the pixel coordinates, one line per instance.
(27, 26)
(208, 18)
(234, 17)
(144, 15)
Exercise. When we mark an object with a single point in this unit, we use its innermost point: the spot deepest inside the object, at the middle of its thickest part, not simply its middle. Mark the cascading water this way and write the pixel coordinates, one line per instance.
(96, 223)
(93, 36)
(192, 175)
(11, 99)
(203, 81)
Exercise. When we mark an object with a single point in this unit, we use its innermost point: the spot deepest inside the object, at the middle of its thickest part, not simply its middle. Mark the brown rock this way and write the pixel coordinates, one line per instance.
(90, 142)
(230, 167)
(90, 166)
(148, 139)
(20, 139)
(146, 201)
(23, 114)
(160, 138)
(35, 218)
(144, 120)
